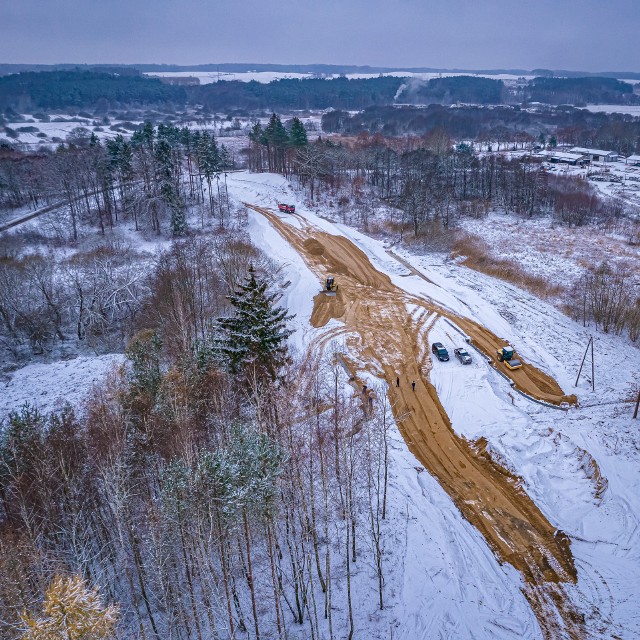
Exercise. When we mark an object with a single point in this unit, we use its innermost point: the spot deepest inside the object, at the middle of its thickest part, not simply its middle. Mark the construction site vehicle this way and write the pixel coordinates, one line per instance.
(330, 286)
(507, 355)
(286, 208)
(462, 355)
(437, 348)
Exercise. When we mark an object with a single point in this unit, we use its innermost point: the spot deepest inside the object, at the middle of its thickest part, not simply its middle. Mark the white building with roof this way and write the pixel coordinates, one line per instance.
(596, 155)
(633, 160)
(566, 157)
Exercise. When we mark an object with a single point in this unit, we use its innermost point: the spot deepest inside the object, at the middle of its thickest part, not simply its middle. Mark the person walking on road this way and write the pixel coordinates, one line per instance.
(413, 385)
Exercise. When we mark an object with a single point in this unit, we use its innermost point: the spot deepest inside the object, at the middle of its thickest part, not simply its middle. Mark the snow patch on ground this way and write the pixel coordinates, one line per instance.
(49, 386)
(573, 250)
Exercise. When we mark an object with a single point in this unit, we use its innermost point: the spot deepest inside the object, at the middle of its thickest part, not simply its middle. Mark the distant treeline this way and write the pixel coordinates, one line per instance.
(581, 91)
(100, 90)
(333, 69)
(84, 89)
(339, 93)
(497, 125)
(453, 89)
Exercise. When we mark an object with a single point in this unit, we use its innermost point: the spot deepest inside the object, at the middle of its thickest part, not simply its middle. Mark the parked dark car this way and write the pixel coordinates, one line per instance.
(462, 355)
(440, 352)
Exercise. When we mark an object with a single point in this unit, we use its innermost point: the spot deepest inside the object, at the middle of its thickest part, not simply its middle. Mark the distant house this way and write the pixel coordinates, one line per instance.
(596, 155)
(633, 161)
(566, 157)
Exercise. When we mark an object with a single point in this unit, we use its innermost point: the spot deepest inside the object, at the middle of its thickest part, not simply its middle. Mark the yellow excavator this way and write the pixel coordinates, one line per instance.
(507, 355)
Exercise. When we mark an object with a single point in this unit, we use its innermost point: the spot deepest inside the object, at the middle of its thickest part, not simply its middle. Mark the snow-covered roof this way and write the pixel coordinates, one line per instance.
(567, 157)
(592, 152)
(633, 158)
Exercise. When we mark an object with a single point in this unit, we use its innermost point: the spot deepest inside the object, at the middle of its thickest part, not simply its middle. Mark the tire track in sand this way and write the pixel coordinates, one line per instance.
(490, 497)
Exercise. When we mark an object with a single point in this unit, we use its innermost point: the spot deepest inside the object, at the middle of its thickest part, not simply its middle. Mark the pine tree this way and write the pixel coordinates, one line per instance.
(168, 176)
(277, 141)
(71, 611)
(257, 143)
(255, 336)
(208, 158)
(144, 136)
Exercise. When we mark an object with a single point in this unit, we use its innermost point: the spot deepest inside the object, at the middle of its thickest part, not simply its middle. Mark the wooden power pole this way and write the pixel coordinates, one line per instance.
(635, 413)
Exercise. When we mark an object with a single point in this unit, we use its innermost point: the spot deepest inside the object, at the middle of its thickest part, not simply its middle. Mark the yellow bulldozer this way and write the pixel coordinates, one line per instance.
(330, 286)
(507, 355)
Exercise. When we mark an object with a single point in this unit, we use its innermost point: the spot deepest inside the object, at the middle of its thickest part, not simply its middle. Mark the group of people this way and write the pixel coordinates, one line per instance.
(413, 383)
(369, 394)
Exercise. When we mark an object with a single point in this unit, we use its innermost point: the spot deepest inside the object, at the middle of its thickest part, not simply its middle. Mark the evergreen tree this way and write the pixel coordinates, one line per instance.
(208, 158)
(256, 146)
(255, 335)
(298, 136)
(144, 136)
(276, 139)
(168, 175)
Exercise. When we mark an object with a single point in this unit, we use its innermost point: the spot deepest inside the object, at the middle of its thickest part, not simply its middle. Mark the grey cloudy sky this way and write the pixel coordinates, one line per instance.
(589, 35)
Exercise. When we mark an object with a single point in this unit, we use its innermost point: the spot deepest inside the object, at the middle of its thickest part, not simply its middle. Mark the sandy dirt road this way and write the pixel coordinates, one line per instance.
(382, 331)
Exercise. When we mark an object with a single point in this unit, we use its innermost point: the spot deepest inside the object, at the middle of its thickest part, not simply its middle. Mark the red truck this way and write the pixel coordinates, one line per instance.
(287, 208)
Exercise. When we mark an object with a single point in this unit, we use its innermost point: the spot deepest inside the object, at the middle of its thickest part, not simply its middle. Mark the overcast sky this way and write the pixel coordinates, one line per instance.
(588, 35)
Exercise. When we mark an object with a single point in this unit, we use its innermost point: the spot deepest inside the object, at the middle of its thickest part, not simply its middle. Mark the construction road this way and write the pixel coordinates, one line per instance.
(381, 330)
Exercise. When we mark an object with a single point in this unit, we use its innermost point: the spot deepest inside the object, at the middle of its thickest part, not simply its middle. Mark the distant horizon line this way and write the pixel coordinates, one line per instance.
(245, 67)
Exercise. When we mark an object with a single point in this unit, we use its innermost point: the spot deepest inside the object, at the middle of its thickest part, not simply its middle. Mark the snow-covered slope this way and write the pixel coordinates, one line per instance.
(580, 466)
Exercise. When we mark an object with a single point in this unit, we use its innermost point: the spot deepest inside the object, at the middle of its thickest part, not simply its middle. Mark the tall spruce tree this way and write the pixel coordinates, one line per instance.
(298, 136)
(254, 337)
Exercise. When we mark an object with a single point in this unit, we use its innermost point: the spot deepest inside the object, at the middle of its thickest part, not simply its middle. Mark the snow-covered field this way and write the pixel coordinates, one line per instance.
(208, 77)
(56, 132)
(545, 249)
(49, 386)
(633, 110)
(581, 467)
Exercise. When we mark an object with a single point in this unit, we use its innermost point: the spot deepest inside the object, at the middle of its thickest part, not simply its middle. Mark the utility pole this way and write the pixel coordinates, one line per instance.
(593, 369)
(635, 413)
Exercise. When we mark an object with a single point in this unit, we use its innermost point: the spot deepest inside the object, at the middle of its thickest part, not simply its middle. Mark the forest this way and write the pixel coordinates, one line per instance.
(503, 126)
(581, 91)
(215, 484)
(279, 95)
(454, 89)
(82, 89)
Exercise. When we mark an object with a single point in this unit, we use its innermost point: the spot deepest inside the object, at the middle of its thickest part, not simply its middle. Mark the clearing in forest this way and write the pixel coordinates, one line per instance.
(374, 310)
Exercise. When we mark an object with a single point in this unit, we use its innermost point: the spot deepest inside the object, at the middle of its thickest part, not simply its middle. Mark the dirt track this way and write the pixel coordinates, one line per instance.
(374, 310)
